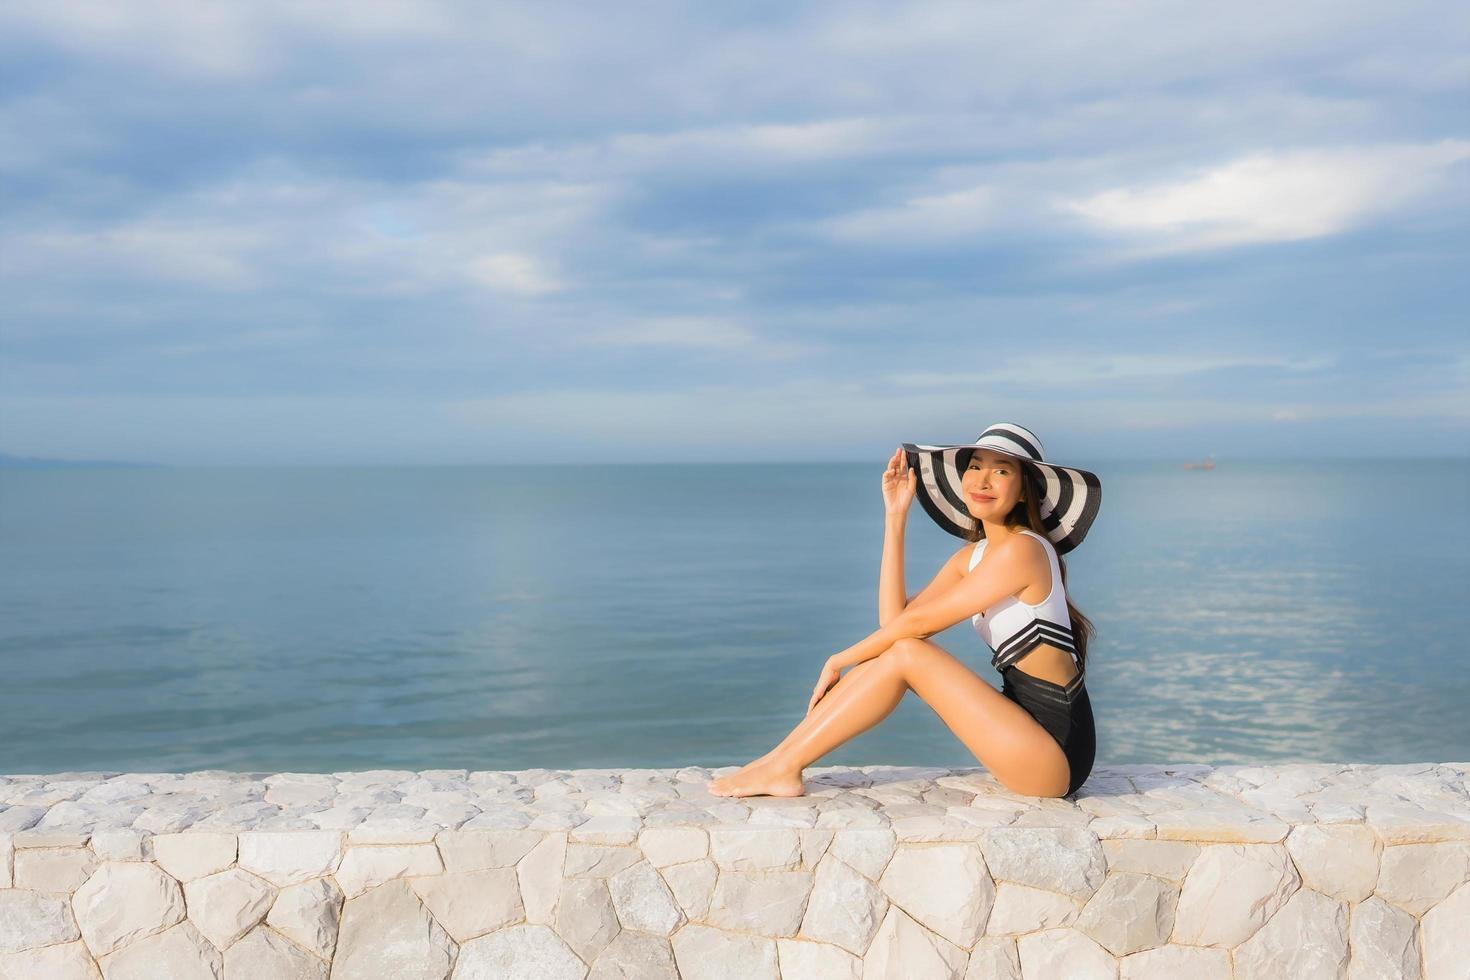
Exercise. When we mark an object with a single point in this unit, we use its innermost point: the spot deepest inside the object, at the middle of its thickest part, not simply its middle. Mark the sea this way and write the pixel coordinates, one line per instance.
(324, 619)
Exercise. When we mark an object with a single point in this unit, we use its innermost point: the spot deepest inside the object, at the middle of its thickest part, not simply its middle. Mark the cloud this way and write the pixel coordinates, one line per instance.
(514, 273)
(218, 40)
(808, 222)
(171, 250)
(930, 218)
(1269, 197)
(714, 334)
(1101, 370)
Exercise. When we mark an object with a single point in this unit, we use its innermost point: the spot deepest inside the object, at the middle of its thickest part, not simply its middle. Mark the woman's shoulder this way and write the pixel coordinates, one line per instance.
(1029, 547)
(1041, 540)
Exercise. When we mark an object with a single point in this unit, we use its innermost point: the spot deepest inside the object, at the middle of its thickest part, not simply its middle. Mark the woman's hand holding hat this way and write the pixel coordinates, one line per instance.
(899, 484)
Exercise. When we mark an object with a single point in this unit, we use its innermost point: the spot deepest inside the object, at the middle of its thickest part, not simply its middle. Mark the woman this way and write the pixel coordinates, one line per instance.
(1036, 734)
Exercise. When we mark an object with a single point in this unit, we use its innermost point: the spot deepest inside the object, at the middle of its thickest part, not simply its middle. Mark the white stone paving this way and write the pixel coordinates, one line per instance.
(1301, 870)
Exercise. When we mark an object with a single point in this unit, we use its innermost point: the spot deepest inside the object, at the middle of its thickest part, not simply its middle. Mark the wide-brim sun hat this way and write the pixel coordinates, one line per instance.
(1069, 500)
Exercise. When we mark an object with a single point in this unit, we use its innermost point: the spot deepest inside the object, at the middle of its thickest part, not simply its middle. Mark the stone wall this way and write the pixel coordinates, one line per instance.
(1298, 871)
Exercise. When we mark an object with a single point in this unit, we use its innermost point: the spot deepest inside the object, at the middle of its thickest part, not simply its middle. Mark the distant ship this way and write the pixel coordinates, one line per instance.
(1208, 464)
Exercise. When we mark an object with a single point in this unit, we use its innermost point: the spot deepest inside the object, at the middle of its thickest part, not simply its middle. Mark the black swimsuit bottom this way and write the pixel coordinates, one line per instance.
(1068, 717)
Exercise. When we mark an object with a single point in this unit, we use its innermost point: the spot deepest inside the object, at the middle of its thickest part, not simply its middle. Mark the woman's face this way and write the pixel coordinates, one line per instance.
(992, 484)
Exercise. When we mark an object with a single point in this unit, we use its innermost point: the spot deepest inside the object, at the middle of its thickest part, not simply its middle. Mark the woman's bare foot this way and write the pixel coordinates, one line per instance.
(760, 778)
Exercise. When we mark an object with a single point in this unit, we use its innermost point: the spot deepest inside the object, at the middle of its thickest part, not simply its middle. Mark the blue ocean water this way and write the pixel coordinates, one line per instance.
(319, 619)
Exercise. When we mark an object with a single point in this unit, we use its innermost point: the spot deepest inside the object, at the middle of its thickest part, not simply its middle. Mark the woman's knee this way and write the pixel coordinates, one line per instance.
(905, 651)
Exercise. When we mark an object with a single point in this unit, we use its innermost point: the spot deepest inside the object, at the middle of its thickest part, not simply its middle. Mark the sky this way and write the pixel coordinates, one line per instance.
(308, 233)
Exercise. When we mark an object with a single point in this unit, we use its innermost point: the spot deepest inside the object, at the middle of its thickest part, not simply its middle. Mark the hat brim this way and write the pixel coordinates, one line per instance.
(1069, 502)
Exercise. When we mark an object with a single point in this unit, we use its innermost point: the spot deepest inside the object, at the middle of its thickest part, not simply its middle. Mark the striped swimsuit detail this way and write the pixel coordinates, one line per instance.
(1012, 628)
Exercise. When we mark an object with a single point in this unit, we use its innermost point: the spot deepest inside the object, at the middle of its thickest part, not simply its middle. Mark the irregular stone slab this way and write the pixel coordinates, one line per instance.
(744, 849)
(585, 919)
(1395, 823)
(64, 961)
(193, 855)
(1416, 877)
(403, 830)
(802, 960)
(665, 846)
(123, 902)
(1340, 860)
(290, 857)
(49, 837)
(903, 949)
(366, 867)
(867, 850)
(53, 869)
(1445, 939)
(478, 850)
(1064, 953)
(519, 953)
(309, 914)
(1020, 909)
(1130, 913)
(644, 902)
(704, 953)
(635, 956)
(1160, 858)
(845, 908)
(178, 953)
(1173, 962)
(540, 875)
(1306, 940)
(767, 903)
(944, 887)
(387, 932)
(227, 905)
(1230, 892)
(124, 844)
(29, 920)
(1065, 860)
(267, 954)
(994, 959)
(1221, 824)
(693, 885)
(472, 903)
(814, 844)
(1382, 942)
(599, 860)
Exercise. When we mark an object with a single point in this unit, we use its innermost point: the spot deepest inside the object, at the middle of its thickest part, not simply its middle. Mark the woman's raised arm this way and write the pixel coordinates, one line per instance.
(899, 484)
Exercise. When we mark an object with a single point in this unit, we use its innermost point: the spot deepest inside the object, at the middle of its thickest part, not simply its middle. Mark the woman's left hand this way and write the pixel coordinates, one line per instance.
(830, 674)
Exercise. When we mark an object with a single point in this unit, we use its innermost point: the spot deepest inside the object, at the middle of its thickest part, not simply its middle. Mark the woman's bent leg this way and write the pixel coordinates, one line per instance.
(861, 698)
(1006, 740)
(865, 695)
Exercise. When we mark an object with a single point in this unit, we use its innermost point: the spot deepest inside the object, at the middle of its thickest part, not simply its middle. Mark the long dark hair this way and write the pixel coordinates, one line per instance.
(1027, 514)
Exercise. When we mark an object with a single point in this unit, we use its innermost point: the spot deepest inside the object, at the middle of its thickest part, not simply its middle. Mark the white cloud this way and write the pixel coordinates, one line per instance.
(711, 332)
(1080, 368)
(218, 40)
(514, 273)
(694, 333)
(187, 250)
(1269, 197)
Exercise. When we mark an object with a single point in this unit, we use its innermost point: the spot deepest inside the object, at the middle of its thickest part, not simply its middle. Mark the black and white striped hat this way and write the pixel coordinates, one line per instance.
(1068, 504)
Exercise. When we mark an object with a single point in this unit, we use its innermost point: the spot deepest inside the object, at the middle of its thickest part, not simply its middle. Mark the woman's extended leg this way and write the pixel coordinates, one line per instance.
(861, 698)
(1003, 737)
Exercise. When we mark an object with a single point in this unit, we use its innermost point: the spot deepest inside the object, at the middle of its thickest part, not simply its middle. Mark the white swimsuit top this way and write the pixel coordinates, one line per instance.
(1013, 628)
